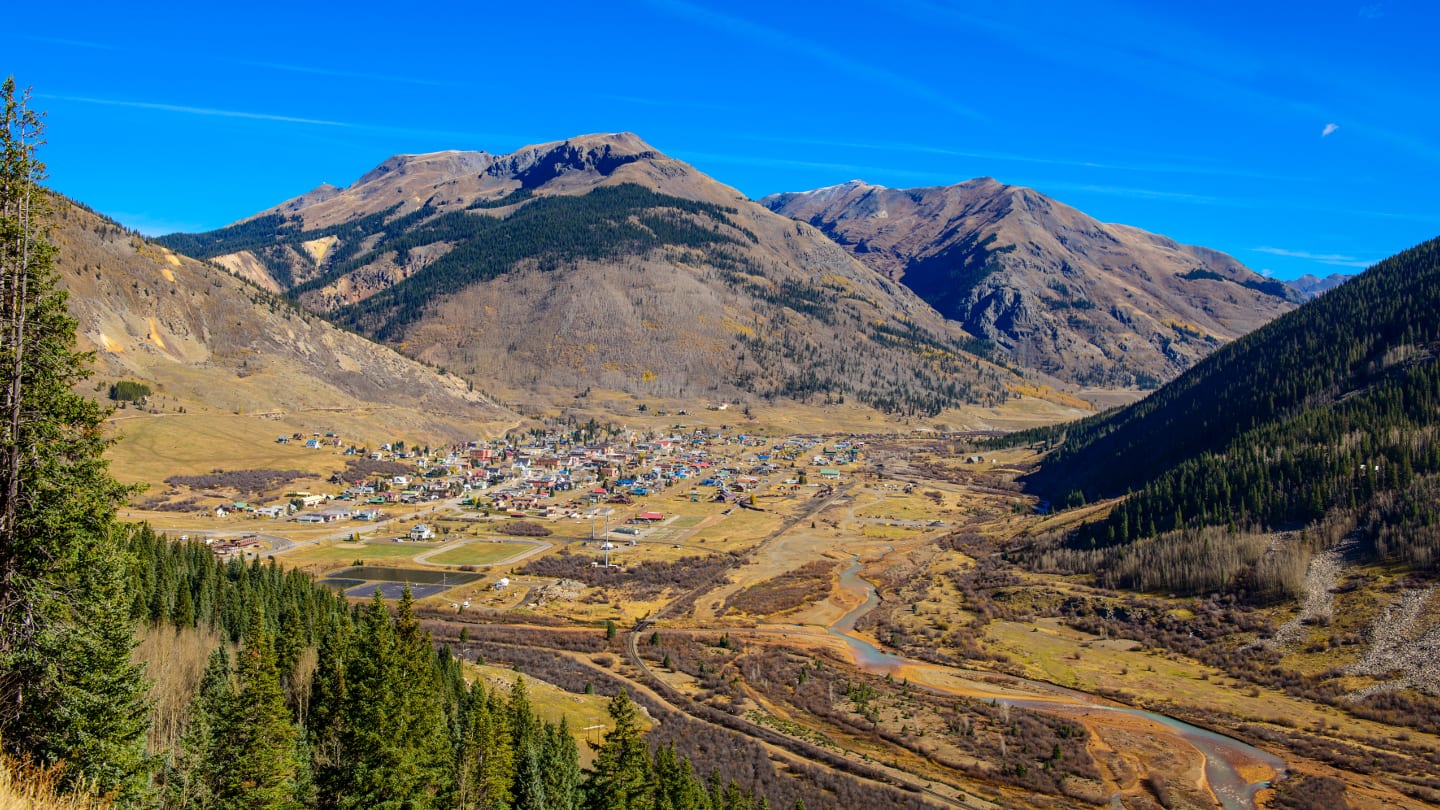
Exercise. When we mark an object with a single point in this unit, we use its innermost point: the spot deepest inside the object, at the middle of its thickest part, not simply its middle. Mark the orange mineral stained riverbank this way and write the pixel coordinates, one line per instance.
(1230, 770)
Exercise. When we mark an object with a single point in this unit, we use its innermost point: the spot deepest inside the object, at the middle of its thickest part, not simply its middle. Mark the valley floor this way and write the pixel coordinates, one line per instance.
(872, 629)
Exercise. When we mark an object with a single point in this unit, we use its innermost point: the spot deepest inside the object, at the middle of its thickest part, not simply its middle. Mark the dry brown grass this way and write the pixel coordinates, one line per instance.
(29, 787)
(152, 448)
(808, 583)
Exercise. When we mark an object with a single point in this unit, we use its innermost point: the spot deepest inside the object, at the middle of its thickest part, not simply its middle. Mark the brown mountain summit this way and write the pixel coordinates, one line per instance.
(1097, 304)
(598, 261)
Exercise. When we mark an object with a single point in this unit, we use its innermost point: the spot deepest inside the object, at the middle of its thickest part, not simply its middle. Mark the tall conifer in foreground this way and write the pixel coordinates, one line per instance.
(68, 691)
(256, 736)
(620, 778)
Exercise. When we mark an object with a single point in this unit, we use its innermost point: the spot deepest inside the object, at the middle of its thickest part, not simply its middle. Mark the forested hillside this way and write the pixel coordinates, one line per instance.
(609, 222)
(1324, 420)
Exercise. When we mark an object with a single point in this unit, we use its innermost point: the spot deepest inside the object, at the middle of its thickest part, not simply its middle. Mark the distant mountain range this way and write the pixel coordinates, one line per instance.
(1092, 303)
(202, 338)
(1309, 286)
(599, 262)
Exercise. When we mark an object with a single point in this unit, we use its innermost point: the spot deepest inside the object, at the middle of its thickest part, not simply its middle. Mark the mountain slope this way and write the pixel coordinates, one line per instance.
(1056, 290)
(205, 339)
(600, 262)
(1327, 418)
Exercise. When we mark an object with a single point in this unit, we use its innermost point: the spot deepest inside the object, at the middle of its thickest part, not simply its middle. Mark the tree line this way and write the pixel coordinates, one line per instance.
(623, 220)
(1329, 411)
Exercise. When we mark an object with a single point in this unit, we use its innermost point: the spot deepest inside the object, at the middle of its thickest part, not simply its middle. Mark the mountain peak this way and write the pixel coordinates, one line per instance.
(314, 196)
(585, 156)
(448, 162)
(623, 141)
(1056, 290)
(641, 273)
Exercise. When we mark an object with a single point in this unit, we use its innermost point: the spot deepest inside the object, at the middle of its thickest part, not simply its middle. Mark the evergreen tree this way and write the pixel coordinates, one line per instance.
(486, 769)
(325, 721)
(100, 707)
(562, 768)
(367, 753)
(183, 614)
(530, 789)
(676, 787)
(393, 747)
(523, 723)
(63, 626)
(620, 777)
(256, 737)
(424, 727)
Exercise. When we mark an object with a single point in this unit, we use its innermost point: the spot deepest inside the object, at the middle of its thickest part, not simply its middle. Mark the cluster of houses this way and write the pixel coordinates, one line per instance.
(237, 547)
(528, 475)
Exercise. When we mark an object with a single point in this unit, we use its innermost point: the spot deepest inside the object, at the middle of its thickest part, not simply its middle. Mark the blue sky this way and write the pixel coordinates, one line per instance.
(1299, 138)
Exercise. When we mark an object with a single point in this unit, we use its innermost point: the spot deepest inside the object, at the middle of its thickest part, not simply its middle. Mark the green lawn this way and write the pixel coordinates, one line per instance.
(479, 553)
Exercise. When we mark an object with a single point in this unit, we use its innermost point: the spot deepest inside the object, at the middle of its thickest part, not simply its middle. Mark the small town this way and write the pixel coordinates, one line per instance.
(483, 508)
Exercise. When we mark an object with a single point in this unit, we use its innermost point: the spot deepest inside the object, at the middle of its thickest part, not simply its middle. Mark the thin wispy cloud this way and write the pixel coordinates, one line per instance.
(207, 111)
(279, 66)
(344, 74)
(455, 139)
(1330, 129)
(1134, 193)
(1333, 259)
(74, 43)
(1178, 166)
(796, 46)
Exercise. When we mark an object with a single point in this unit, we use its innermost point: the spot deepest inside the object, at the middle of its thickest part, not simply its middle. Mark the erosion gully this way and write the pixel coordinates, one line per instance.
(1224, 756)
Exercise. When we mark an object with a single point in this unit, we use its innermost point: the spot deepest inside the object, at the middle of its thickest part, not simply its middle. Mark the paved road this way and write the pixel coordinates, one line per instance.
(280, 544)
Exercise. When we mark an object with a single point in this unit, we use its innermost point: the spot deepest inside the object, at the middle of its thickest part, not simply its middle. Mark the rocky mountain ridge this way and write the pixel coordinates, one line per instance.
(600, 262)
(1056, 290)
(1309, 286)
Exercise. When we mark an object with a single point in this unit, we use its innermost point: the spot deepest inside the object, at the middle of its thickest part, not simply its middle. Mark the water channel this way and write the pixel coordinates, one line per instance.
(1222, 754)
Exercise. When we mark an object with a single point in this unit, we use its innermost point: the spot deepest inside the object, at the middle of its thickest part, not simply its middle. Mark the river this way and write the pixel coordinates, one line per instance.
(1221, 753)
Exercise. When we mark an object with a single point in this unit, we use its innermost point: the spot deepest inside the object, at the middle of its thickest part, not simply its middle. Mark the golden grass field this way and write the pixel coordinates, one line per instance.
(478, 554)
(346, 552)
(152, 448)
